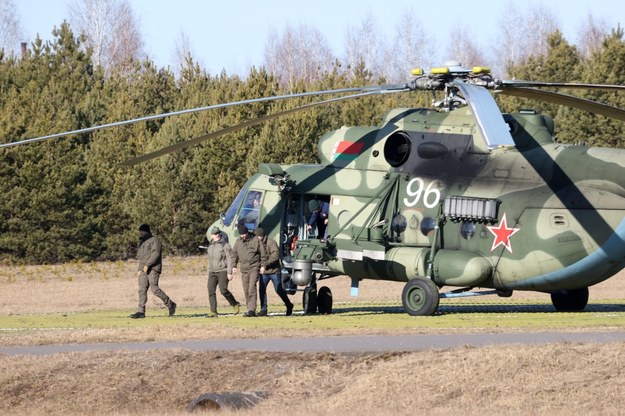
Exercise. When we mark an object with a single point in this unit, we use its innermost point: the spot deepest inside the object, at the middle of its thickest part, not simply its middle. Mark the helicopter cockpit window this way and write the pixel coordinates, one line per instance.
(250, 211)
(232, 210)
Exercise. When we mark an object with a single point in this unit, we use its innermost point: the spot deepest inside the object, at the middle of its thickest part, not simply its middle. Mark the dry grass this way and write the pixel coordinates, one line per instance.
(84, 287)
(510, 380)
(557, 379)
(113, 285)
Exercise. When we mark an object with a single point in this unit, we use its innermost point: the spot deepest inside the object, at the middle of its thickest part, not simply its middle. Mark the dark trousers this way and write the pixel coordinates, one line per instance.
(277, 285)
(150, 281)
(221, 279)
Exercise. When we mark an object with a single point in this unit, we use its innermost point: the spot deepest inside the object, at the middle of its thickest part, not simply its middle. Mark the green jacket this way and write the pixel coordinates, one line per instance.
(249, 253)
(220, 256)
(150, 254)
(272, 258)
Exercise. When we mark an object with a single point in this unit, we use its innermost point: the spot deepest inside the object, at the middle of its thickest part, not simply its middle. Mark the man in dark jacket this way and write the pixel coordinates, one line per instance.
(219, 271)
(319, 211)
(273, 272)
(249, 252)
(150, 257)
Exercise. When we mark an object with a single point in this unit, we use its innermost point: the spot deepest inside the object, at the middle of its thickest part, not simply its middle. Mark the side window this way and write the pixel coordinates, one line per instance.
(250, 211)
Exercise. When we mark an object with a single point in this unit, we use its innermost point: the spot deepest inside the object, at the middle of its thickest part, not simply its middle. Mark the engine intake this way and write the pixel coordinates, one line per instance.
(397, 148)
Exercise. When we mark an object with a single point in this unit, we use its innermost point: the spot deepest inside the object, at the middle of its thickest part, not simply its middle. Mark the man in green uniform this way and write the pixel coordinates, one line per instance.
(150, 256)
(219, 271)
(249, 252)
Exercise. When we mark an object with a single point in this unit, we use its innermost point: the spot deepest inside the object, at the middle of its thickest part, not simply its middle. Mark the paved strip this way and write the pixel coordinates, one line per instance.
(333, 344)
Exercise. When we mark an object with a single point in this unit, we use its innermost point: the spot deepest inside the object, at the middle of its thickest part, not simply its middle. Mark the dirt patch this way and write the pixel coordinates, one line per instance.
(113, 285)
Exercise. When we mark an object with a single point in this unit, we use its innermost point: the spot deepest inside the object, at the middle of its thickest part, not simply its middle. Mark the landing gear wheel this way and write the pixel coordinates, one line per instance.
(420, 297)
(570, 300)
(324, 300)
(309, 300)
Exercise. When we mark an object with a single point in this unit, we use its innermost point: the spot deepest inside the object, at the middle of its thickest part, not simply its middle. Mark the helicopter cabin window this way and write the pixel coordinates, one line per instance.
(250, 211)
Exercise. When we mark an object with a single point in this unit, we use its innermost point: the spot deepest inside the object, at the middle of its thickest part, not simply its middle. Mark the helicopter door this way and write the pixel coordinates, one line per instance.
(250, 210)
(292, 222)
(317, 214)
(297, 214)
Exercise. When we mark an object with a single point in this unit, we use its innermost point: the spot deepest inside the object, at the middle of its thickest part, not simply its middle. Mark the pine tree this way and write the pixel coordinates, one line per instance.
(49, 199)
(606, 66)
(560, 64)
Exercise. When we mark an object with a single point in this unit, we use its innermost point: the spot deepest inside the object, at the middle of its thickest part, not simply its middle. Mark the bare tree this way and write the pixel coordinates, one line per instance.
(183, 52)
(366, 45)
(11, 33)
(540, 23)
(299, 53)
(462, 48)
(111, 29)
(412, 48)
(591, 35)
(523, 33)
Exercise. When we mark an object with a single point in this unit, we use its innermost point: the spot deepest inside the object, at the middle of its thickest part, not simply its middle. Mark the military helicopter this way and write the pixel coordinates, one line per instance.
(457, 196)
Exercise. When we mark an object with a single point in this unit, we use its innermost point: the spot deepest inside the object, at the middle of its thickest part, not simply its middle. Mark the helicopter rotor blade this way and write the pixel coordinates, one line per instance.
(567, 100)
(487, 114)
(382, 88)
(505, 84)
(249, 123)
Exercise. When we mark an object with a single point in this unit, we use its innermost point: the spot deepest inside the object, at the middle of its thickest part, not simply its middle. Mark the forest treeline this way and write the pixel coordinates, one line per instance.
(67, 199)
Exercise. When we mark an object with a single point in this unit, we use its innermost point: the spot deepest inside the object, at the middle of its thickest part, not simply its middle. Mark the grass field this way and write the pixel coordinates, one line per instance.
(91, 303)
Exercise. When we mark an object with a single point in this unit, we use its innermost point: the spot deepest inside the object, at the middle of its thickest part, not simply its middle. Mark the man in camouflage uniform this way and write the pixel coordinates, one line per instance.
(219, 271)
(249, 252)
(273, 272)
(150, 256)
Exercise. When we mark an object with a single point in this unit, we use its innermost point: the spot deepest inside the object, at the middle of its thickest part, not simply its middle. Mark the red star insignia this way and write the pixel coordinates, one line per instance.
(502, 234)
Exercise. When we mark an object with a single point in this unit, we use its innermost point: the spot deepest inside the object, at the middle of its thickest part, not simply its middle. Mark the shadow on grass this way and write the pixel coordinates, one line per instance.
(477, 308)
(443, 309)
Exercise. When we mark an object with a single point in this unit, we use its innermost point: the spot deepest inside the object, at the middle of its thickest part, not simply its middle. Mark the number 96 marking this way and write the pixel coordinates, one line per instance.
(416, 188)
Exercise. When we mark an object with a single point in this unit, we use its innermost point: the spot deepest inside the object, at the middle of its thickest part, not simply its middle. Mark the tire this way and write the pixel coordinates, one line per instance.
(309, 300)
(420, 297)
(324, 300)
(570, 300)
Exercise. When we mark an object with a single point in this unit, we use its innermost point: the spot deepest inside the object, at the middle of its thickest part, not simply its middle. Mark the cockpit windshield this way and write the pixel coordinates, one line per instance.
(250, 211)
(247, 204)
(234, 207)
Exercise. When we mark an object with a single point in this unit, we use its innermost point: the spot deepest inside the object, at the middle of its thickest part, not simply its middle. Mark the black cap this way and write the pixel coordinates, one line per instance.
(145, 227)
(242, 229)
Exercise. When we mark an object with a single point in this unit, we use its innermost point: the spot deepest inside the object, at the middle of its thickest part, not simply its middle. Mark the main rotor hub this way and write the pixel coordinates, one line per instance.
(446, 78)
